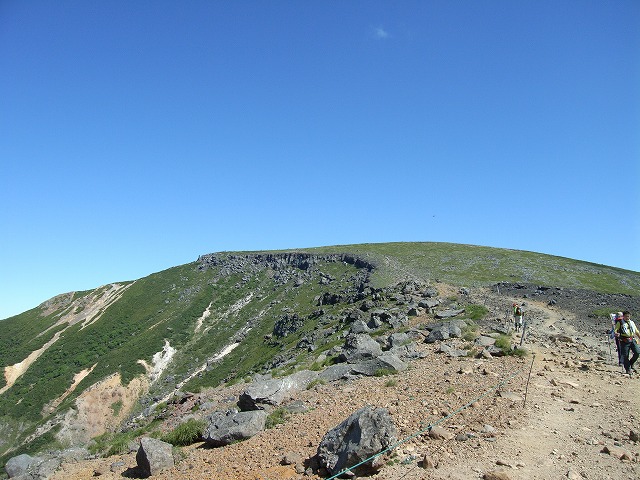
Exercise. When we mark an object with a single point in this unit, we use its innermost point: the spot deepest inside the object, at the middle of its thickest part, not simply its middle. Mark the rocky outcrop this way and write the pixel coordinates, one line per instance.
(154, 456)
(26, 467)
(276, 261)
(365, 433)
(231, 426)
(266, 394)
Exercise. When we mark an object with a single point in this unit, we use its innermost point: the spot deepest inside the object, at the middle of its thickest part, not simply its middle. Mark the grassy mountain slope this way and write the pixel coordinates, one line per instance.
(228, 316)
(477, 265)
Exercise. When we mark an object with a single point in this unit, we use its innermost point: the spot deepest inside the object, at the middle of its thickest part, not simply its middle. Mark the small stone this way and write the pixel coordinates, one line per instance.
(439, 433)
(618, 452)
(573, 475)
(488, 429)
(428, 462)
(496, 475)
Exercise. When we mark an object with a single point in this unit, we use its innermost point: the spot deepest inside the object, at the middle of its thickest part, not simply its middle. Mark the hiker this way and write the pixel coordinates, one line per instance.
(517, 315)
(627, 332)
(615, 318)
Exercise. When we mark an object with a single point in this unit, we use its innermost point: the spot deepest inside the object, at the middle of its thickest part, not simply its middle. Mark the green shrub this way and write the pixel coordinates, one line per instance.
(503, 342)
(519, 352)
(391, 383)
(119, 445)
(475, 312)
(382, 372)
(470, 332)
(116, 407)
(186, 433)
(317, 381)
(278, 416)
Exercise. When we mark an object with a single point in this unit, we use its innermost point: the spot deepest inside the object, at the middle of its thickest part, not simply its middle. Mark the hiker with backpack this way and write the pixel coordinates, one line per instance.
(518, 314)
(615, 319)
(627, 332)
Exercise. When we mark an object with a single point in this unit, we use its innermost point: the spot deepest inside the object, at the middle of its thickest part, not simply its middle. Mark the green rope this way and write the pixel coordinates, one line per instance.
(430, 426)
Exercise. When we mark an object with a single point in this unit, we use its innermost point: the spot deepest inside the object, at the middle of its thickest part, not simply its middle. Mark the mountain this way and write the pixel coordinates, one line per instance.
(85, 363)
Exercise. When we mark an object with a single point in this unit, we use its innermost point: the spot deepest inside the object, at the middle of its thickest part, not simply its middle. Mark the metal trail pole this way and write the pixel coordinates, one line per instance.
(526, 391)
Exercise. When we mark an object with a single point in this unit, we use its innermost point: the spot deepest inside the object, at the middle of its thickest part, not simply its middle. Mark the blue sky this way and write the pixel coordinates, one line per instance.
(135, 136)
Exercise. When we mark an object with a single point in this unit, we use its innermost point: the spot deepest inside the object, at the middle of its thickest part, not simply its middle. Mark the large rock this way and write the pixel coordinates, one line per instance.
(265, 394)
(227, 427)
(19, 465)
(359, 347)
(26, 467)
(365, 433)
(154, 456)
(387, 363)
(449, 313)
(437, 334)
(452, 352)
(335, 372)
(444, 330)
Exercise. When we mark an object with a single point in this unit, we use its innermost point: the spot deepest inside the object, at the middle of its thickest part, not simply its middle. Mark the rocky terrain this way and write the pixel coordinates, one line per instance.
(563, 411)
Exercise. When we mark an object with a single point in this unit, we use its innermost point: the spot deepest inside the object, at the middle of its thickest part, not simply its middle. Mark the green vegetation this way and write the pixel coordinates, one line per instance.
(604, 312)
(383, 372)
(278, 416)
(470, 332)
(317, 381)
(186, 433)
(475, 312)
(469, 265)
(391, 383)
(503, 342)
(116, 407)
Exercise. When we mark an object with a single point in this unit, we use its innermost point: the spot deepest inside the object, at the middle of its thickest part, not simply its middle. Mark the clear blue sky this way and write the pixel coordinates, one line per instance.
(135, 136)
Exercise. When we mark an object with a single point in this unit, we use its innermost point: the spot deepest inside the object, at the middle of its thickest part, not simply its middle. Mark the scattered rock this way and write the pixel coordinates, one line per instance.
(428, 462)
(363, 434)
(154, 456)
(439, 433)
(231, 426)
(496, 475)
(618, 452)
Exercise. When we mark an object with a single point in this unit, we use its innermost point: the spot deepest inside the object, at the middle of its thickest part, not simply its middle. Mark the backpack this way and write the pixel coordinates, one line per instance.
(517, 312)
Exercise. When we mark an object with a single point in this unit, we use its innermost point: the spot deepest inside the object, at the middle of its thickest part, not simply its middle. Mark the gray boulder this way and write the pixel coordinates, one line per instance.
(437, 334)
(398, 340)
(26, 467)
(449, 313)
(265, 394)
(386, 362)
(365, 433)
(335, 372)
(227, 427)
(452, 352)
(359, 327)
(20, 464)
(444, 330)
(154, 456)
(359, 347)
(485, 341)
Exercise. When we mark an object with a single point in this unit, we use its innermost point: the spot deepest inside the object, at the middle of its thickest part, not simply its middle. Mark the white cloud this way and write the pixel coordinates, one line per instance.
(380, 32)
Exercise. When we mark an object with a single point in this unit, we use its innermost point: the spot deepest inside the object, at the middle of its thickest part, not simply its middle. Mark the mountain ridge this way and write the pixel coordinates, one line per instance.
(288, 306)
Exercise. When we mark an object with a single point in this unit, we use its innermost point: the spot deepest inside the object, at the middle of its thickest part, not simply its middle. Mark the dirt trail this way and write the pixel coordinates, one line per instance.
(578, 407)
